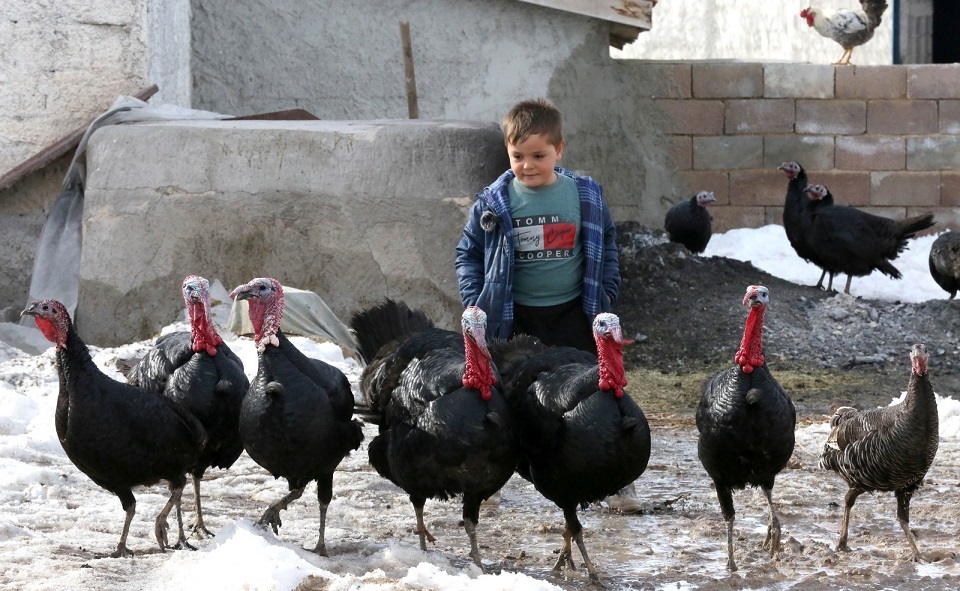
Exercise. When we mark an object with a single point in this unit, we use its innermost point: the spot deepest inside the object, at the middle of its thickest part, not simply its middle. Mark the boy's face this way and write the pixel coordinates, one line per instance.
(533, 159)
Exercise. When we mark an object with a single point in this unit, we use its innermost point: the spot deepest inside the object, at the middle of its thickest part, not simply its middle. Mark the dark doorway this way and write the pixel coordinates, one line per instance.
(946, 31)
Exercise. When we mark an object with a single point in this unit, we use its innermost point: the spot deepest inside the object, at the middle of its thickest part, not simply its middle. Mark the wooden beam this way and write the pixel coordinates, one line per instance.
(57, 149)
(413, 108)
(634, 13)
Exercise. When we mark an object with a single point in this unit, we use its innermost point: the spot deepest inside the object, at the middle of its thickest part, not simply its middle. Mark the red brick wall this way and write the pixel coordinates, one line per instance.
(885, 138)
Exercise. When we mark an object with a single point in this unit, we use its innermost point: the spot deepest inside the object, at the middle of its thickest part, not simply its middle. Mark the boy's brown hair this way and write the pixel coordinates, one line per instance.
(532, 117)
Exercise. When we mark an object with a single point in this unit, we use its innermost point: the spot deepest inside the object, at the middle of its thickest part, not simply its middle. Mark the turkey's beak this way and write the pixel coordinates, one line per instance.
(194, 294)
(241, 292)
(31, 310)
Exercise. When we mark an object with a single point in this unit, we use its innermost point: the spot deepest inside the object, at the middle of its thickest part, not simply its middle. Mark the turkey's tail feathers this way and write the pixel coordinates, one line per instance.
(509, 354)
(889, 270)
(910, 226)
(125, 365)
(386, 325)
(830, 459)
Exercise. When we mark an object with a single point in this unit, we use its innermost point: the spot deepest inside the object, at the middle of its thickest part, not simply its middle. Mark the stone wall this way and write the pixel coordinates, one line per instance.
(885, 138)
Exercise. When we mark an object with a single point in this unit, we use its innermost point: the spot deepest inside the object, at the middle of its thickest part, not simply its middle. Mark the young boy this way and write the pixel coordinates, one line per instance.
(539, 250)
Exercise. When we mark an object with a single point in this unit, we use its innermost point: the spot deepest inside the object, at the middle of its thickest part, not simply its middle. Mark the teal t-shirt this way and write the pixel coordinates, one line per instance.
(548, 264)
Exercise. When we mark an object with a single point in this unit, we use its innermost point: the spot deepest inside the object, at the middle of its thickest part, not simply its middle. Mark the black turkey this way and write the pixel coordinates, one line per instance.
(688, 222)
(297, 418)
(856, 243)
(945, 262)
(583, 437)
(746, 423)
(445, 427)
(794, 203)
(886, 449)
(119, 435)
(200, 372)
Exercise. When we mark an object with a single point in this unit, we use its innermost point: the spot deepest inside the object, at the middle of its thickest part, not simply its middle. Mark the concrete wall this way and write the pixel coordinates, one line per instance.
(354, 211)
(63, 63)
(473, 60)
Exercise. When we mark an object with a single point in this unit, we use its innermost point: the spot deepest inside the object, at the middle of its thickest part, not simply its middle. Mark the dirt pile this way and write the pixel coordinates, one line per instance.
(686, 314)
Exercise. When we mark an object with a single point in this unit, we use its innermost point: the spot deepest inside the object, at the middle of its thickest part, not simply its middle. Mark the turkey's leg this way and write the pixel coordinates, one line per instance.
(324, 496)
(471, 517)
(846, 290)
(566, 554)
(594, 577)
(725, 496)
(425, 535)
(271, 516)
(773, 526)
(848, 500)
(903, 516)
(129, 505)
(471, 528)
(199, 529)
(822, 277)
(160, 526)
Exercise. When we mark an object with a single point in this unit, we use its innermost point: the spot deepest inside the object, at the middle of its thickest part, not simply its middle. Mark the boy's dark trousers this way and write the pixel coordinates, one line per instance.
(563, 325)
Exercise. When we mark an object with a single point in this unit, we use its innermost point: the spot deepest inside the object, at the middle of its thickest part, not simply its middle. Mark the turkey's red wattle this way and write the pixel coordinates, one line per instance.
(919, 364)
(52, 331)
(610, 364)
(477, 371)
(205, 336)
(750, 354)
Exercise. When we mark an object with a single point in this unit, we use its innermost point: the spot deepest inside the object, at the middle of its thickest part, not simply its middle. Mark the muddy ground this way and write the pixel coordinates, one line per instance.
(686, 315)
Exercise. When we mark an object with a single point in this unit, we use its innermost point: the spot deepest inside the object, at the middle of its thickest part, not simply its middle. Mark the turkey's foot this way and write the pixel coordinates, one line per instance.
(425, 536)
(320, 549)
(121, 552)
(160, 531)
(183, 544)
(271, 519)
(565, 560)
(596, 582)
(200, 530)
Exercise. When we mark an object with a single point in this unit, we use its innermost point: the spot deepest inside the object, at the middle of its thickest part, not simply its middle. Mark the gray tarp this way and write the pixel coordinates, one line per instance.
(304, 313)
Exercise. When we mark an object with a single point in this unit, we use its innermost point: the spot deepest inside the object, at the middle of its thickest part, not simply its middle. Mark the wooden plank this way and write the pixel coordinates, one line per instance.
(57, 149)
(635, 13)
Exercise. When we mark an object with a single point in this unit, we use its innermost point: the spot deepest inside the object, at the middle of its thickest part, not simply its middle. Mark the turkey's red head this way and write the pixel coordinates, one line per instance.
(918, 359)
(609, 338)
(705, 198)
(52, 320)
(808, 15)
(750, 354)
(817, 192)
(264, 296)
(196, 296)
(477, 372)
(791, 169)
